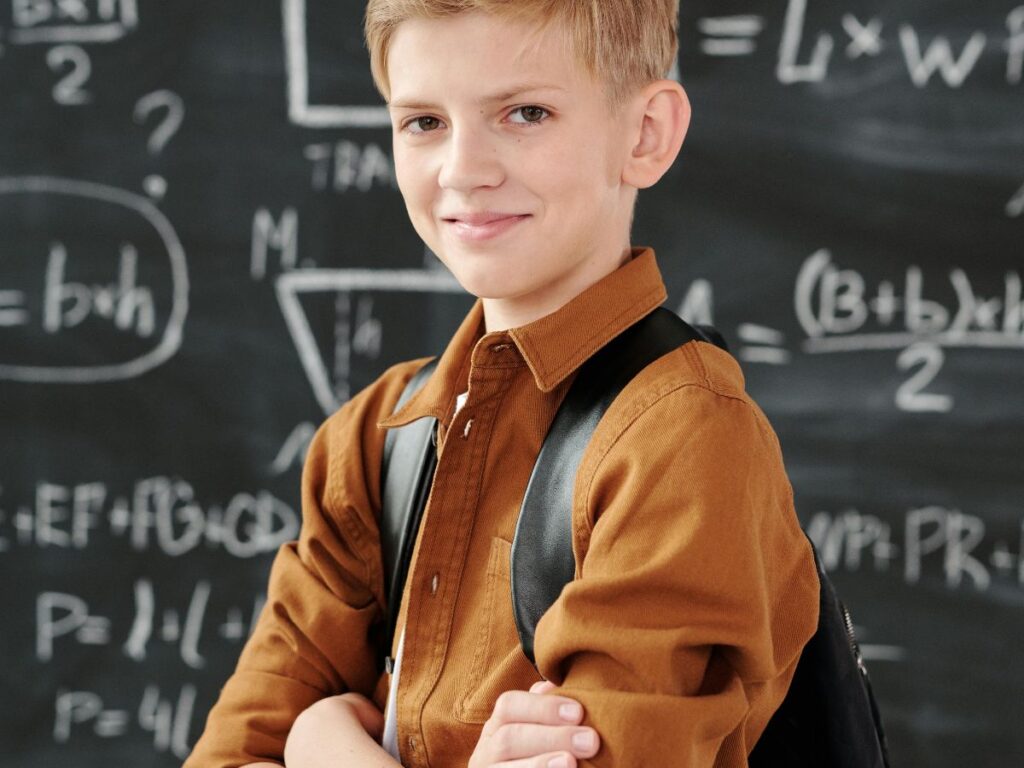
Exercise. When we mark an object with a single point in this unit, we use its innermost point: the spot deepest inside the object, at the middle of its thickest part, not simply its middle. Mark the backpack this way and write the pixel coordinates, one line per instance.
(829, 716)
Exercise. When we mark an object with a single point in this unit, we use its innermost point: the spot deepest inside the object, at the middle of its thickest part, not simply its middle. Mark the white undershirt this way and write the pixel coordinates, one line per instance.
(390, 738)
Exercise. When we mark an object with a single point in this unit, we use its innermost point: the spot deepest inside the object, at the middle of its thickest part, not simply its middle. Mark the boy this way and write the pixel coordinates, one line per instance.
(522, 131)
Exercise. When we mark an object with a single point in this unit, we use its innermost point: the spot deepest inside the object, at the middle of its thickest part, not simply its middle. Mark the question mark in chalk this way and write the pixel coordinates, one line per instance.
(156, 186)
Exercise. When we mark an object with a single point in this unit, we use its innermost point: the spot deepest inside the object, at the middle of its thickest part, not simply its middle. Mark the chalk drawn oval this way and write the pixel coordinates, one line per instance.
(97, 216)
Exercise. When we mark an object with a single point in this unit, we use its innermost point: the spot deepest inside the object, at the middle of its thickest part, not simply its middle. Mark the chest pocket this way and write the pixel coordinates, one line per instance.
(499, 663)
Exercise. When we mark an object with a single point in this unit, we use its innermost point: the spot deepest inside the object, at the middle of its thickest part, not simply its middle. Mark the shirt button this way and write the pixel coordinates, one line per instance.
(433, 584)
(500, 347)
(412, 742)
(465, 432)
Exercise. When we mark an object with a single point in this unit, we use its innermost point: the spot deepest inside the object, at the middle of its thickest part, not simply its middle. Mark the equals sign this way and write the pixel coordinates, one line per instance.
(12, 310)
(730, 35)
(769, 345)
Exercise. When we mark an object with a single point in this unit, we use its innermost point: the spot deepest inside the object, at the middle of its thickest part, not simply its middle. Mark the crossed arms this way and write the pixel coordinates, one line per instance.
(679, 635)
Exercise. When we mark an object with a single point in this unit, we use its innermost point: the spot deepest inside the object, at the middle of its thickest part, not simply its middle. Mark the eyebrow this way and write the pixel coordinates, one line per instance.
(505, 95)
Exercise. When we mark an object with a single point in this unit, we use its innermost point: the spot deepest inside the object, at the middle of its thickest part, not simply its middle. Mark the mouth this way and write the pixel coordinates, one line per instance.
(478, 228)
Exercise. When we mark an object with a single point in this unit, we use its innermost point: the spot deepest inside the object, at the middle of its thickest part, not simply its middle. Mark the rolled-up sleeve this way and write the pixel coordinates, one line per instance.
(695, 589)
(313, 637)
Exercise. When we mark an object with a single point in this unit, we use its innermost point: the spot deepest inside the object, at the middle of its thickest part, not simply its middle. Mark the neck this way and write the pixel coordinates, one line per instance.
(500, 314)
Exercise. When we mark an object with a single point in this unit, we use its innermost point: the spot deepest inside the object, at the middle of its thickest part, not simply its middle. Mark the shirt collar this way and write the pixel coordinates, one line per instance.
(553, 346)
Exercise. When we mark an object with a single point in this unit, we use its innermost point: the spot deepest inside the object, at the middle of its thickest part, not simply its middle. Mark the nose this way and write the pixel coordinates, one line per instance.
(470, 161)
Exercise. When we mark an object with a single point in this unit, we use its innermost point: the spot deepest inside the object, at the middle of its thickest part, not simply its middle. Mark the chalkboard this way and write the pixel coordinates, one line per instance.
(204, 253)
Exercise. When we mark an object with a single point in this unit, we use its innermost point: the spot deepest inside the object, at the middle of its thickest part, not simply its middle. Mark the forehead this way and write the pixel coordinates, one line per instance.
(474, 54)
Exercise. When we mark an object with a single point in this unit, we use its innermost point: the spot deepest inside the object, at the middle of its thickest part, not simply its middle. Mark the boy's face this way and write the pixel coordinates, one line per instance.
(518, 193)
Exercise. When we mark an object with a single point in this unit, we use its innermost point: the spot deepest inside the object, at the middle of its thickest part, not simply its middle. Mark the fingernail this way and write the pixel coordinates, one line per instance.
(558, 762)
(583, 740)
(570, 712)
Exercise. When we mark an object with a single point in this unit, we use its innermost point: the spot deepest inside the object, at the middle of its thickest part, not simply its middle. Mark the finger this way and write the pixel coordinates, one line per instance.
(549, 760)
(541, 686)
(525, 707)
(514, 741)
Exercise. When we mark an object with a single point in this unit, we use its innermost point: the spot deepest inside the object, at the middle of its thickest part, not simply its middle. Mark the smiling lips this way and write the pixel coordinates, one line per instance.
(476, 227)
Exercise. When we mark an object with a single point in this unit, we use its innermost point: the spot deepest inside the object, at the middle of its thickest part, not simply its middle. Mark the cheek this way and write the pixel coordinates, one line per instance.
(581, 168)
(414, 181)
(406, 182)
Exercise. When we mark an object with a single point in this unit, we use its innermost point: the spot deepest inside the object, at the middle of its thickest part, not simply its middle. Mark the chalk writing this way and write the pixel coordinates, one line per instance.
(281, 236)
(330, 391)
(788, 70)
(698, 305)
(926, 60)
(762, 344)
(63, 620)
(845, 307)
(837, 309)
(78, 714)
(60, 614)
(293, 451)
(1015, 205)
(70, 90)
(939, 57)
(840, 313)
(865, 38)
(955, 546)
(729, 35)
(159, 513)
(1015, 45)
(174, 113)
(911, 395)
(62, 303)
(300, 111)
(78, 21)
(173, 629)
(67, 304)
(347, 165)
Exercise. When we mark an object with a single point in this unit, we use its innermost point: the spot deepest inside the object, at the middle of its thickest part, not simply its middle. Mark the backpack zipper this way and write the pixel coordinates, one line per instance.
(854, 646)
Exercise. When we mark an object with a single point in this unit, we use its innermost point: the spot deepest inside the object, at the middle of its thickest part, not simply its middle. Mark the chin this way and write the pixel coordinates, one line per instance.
(489, 287)
(486, 279)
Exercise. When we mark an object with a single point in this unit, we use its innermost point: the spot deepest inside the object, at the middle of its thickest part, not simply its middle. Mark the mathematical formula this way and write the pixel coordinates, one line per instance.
(64, 620)
(803, 52)
(79, 290)
(839, 309)
(169, 720)
(925, 57)
(82, 21)
(932, 540)
(159, 513)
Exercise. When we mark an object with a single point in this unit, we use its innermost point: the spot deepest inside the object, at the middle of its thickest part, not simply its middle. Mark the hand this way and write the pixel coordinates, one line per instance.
(526, 730)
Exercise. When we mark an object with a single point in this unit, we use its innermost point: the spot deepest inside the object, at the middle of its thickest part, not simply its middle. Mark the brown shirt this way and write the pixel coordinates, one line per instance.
(695, 589)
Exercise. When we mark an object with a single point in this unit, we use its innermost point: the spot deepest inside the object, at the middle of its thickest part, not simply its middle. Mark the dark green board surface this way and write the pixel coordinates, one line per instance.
(204, 252)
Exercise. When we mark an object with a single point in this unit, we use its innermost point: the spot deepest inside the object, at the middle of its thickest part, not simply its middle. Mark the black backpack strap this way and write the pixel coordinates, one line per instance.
(829, 716)
(542, 561)
(407, 472)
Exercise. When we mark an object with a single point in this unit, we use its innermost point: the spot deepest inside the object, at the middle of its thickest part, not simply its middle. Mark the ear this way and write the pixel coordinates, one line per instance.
(664, 113)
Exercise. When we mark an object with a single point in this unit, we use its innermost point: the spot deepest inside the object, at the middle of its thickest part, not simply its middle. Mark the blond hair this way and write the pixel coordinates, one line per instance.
(624, 44)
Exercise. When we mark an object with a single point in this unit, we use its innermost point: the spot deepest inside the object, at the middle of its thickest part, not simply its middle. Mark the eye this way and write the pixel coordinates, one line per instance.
(424, 124)
(532, 113)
